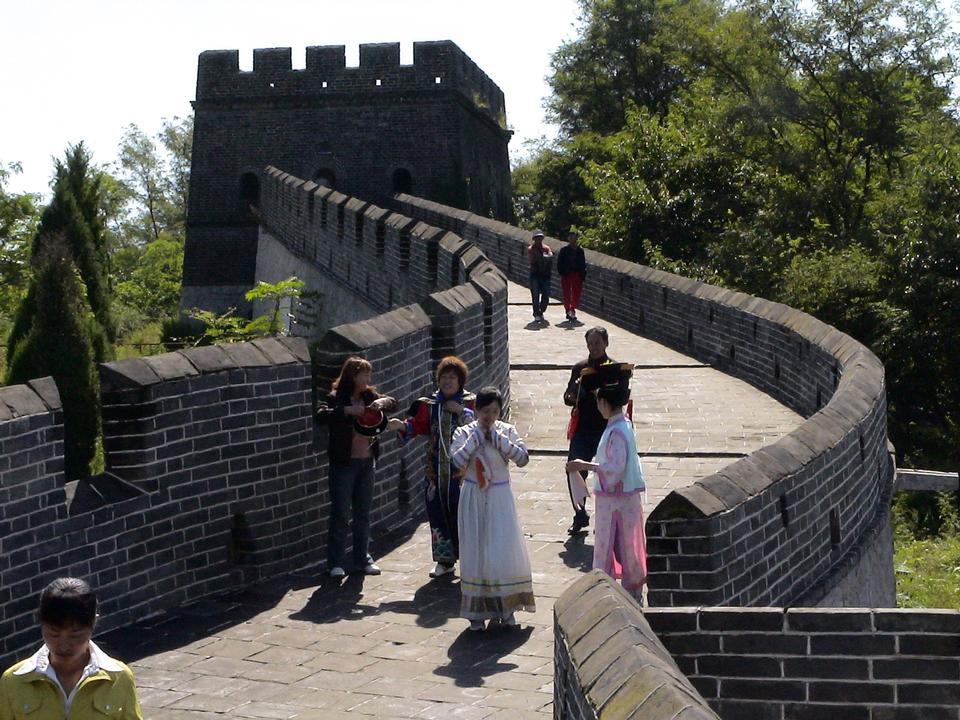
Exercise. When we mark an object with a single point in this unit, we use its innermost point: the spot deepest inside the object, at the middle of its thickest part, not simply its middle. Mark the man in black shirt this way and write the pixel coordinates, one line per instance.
(572, 268)
(589, 422)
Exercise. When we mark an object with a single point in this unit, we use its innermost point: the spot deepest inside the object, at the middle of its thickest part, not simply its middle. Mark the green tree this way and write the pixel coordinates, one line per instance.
(18, 221)
(58, 344)
(622, 58)
(142, 174)
(550, 191)
(176, 136)
(156, 174)
(152, 283)
(75, 213)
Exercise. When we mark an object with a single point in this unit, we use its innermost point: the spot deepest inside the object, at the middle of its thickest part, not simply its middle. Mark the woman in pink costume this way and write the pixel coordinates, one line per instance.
(620, 542)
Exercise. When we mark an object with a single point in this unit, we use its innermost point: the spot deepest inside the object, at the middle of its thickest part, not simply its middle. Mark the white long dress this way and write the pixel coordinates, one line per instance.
(495, 578)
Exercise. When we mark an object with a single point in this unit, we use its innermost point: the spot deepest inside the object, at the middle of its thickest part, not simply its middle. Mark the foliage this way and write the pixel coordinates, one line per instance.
(807, 152)
(227, 328)
(620, 60)
(928, 573)
(157, 184)
(142, 341)
(152, 284)
(74, 214)
(18, 219)
(919, 515)
(58, 343)
(549, 187)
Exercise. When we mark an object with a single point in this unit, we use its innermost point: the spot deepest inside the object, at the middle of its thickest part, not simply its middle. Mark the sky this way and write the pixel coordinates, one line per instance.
(85, 69)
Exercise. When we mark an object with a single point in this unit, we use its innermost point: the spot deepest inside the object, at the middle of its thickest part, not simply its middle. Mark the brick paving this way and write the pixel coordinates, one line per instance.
(392, 646)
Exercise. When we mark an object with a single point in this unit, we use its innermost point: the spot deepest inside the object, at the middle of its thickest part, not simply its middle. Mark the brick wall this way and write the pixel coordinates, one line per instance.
(31, 500)
(608, 662)
(818, 664)
(792, 520)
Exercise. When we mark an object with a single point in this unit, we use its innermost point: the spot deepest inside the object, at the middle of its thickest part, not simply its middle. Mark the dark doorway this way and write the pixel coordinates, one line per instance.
(325, 177)
(402, 181)
(250, 191)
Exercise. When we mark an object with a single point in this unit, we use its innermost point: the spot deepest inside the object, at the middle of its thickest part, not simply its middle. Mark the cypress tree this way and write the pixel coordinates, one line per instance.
(74, 214)
(57, 343)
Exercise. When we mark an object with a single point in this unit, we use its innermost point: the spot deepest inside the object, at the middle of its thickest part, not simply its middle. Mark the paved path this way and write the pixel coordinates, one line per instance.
(392, 646)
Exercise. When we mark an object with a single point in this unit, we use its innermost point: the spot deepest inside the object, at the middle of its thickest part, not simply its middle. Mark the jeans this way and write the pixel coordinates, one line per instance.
(351, 494)
(583, 446)
(539, 293)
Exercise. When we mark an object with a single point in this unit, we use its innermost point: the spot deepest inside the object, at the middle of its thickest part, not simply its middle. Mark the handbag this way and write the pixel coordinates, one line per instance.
(573, 423)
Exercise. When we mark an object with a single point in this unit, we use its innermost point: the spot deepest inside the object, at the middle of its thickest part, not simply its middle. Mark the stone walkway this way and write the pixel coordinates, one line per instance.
(392, 646)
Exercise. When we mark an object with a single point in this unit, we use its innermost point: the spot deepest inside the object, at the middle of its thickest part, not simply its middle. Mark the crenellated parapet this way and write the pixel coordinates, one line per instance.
(438, 67)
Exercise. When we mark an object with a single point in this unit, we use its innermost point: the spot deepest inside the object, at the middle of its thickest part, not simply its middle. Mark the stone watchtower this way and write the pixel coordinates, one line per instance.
(436, 129)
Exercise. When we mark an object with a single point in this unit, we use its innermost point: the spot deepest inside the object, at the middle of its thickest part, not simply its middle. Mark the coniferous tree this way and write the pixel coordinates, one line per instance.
(74, 213)
(57, 343)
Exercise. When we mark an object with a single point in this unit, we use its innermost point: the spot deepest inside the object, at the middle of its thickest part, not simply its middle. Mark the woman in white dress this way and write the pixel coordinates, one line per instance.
(495, 579)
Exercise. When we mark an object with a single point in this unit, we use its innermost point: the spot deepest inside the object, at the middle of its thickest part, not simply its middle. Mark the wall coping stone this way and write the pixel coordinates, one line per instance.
(46, 388)
(297, 347)
(378, 330)
(616, 662)
(171, 366)
(275, 351)
(246, 354)
(22, 400)
(126, 374)
(209, 358)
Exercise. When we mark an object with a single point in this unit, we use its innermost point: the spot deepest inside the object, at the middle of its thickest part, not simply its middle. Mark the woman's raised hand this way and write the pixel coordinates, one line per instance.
(396, 424)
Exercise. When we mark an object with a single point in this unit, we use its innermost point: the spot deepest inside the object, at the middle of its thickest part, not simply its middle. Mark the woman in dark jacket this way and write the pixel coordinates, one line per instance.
(355, 412)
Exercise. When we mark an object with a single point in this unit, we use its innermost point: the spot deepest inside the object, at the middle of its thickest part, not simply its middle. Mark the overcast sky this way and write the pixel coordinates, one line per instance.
(84, 69)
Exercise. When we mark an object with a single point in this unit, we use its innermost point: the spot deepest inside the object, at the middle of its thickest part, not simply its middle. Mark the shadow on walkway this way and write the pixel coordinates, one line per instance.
(577, 554)
(477, 655)
(176, 628)
(434, 603)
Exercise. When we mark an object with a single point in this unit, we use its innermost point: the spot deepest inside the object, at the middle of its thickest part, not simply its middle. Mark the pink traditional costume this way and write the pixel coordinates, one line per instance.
(620, 542)
(495, 578)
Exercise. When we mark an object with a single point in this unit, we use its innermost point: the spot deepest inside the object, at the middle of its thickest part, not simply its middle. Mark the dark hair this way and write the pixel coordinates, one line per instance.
(616, 395)
(68, 601)
(451, 363)
(598, 330)
(489, 395)
(343, 386)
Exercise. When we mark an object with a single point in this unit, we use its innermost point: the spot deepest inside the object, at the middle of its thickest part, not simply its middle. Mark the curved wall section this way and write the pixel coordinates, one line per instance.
(788, 523)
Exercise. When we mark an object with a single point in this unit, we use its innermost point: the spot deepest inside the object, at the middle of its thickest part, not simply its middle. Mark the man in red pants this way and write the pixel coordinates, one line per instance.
(572, 267)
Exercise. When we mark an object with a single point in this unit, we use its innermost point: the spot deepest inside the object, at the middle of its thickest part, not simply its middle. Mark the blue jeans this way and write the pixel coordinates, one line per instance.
(351, 494)
(583, 446)
(539, 292)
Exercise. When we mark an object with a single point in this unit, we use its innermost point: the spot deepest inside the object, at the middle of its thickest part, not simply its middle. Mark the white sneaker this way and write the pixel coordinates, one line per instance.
(371, 568)
(477, 625)
(510, 621)
(440, 570)
(337, 572)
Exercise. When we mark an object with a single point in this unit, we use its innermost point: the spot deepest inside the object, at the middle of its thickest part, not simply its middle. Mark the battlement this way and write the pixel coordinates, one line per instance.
(438, 66)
